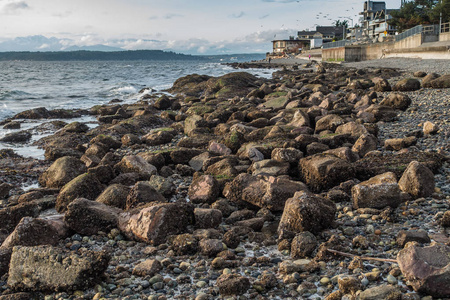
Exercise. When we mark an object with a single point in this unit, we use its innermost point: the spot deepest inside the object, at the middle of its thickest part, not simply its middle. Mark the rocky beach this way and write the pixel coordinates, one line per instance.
(327, 181)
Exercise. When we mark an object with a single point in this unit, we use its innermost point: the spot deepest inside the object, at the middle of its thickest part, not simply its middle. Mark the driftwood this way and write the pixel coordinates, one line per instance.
(362, 257)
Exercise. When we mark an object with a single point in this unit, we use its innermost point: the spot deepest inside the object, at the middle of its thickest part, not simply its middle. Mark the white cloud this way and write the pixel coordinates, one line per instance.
(13, 7)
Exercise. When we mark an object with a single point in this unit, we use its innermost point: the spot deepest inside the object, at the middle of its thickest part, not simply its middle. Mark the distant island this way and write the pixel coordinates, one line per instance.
(83, 55)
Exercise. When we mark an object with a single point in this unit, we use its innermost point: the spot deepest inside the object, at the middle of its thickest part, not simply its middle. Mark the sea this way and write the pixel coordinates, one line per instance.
(82, 84)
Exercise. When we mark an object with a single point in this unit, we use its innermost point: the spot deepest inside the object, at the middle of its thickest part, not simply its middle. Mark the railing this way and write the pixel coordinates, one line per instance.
(445, 27)
(408, 33)
(335, 44)
(430, 29)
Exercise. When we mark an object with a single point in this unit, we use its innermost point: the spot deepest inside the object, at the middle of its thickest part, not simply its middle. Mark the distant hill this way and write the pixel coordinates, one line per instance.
(97, 55)
(99, 47)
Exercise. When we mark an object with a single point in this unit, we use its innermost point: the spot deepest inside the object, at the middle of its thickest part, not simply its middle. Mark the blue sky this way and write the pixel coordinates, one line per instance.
(188, 26)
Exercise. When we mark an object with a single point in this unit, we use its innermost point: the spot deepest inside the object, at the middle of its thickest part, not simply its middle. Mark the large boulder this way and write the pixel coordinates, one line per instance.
(262, 191)
(204, 189)
(417, 180)
(136, 164)
(324, 171)
(46, 268)
(441, 82)
(88, 217)
(427, 269)
(407, 84)
(84, 186)
(114, 195)
(37, 231)
(397, 101)
(141, 193)
(377, 192)
(62, 171)
(306, 212)
(154, 223)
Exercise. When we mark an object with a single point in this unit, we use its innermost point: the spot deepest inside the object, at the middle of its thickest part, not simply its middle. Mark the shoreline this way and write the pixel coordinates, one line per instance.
(220, 160)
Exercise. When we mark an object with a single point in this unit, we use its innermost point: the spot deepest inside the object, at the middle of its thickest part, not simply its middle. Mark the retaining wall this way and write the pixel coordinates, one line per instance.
(444, 37)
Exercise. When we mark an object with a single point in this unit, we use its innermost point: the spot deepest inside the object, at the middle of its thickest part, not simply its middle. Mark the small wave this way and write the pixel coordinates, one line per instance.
(15, 94)
(125, 90)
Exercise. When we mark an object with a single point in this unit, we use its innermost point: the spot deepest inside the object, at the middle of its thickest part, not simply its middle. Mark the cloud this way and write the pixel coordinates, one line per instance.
(13, 8)
(239, 15)
(281, 1)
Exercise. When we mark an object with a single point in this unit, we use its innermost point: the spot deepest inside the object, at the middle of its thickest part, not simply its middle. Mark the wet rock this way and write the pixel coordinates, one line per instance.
(306, 212)
(142, 193)
(445, 221)
(12, 125)
(148, 267)
(164, 186)
(397, 101)
(114, 195)
(163, 103)
(303, 245)
(4, 190)
(185, 244)
(407, 84)
(46, 268)
(16, 137)
(84, 186)
(35, 113)
(265, 192)
(204, 189)
(89, 217)
(419, 236)
(232, 284)
(207, 218)
(62, 171)
(322, 171)
(255, 224)
(154, 223)
(417, 180)
(427, 269)
(378, 192)
(349, 284)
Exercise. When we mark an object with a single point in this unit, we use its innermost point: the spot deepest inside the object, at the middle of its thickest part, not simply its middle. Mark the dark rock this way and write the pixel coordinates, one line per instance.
(185, 244)
(114, 195)
(142, 193)
(232, 284)
(400, 143)
(417, 180)
(407, 84)
(303, 245)
(211, 247)
(207, 218)
(378, 192)
(84, 186)
(306, 212)
(11, 216)
(54, 269)
(136, 164)
(323, 171)
(441, 82)
(4, 190)
(36, 231)
(16, 137)
(397, 101)
(419, 236)
(88, 217)
(426, 81)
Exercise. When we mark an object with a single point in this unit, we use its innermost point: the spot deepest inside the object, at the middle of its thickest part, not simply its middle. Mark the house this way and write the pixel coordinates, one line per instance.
(322, 34)
(375, 19)
(281, 47)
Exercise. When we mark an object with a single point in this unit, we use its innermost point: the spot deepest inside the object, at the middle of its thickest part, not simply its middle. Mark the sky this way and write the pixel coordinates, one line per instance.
(184, 26)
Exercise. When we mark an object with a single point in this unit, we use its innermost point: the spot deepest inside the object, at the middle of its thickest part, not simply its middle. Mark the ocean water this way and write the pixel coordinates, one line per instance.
(83, 84)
